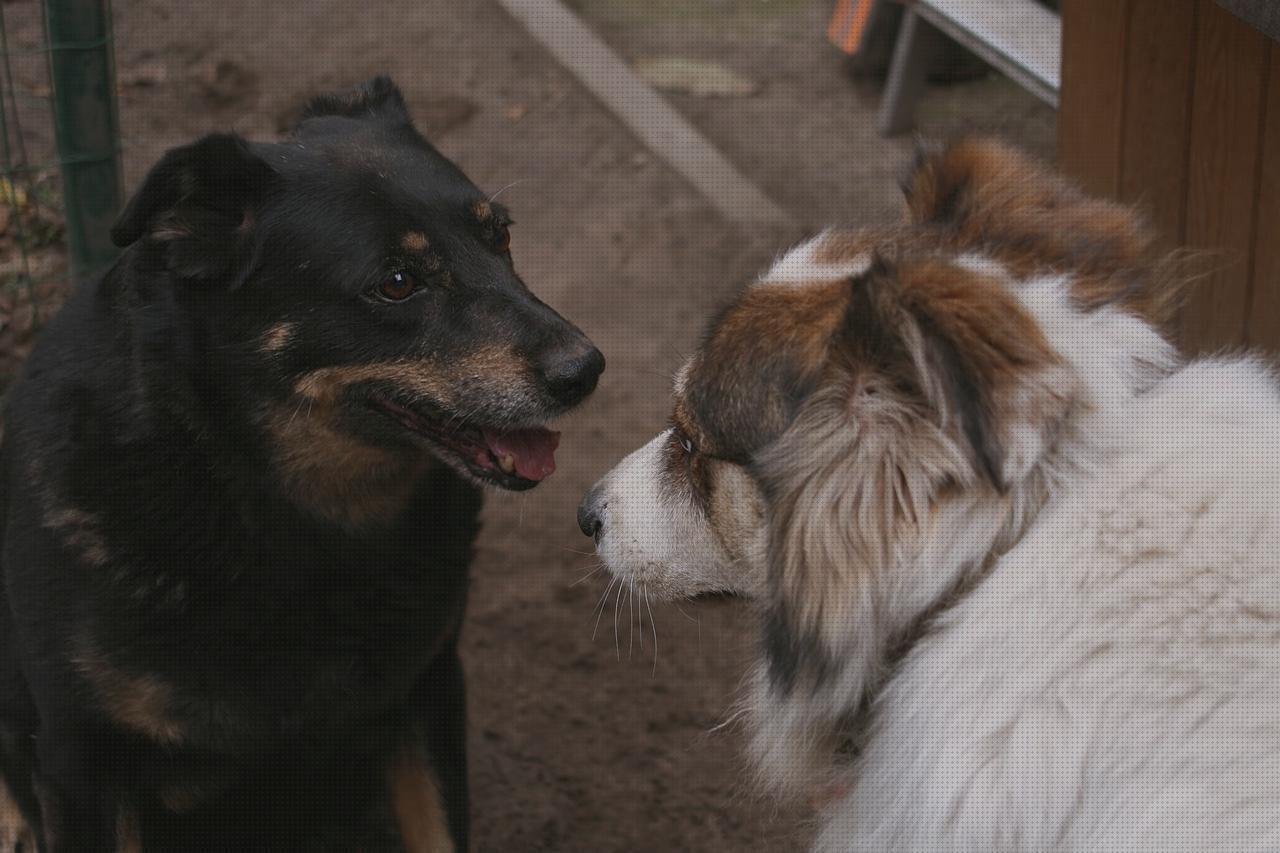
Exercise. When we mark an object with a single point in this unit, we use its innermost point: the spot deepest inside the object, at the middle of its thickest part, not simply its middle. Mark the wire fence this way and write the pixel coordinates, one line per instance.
(59, 160)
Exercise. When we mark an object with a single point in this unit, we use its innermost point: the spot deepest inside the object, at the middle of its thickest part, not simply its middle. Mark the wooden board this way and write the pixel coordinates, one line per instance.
(1175, 105)
(1091, 117)
(1158, 77)
(1222, 186)
(1263, 328)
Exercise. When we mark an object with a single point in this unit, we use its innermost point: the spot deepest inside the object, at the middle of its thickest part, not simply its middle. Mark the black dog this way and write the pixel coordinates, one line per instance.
(240, 494)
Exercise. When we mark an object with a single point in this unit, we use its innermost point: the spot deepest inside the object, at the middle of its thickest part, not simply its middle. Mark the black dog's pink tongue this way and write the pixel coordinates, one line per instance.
(531, 453)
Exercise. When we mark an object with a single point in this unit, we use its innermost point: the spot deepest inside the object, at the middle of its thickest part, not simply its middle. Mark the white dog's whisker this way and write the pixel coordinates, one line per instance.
(631, 617)
(735, 716)
(576, 551)
(617, 602)
(640, 613)
(587, 576)
(654, 625)
(685, 613)
(600, 605)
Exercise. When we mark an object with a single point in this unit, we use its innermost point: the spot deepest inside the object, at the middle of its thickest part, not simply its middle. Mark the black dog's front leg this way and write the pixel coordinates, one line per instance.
(442, 696)
(20, 814)
(78, 815)
(20, 810)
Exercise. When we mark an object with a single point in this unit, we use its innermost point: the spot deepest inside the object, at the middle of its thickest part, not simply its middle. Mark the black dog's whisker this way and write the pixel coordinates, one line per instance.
(509, 186)
(458, 421)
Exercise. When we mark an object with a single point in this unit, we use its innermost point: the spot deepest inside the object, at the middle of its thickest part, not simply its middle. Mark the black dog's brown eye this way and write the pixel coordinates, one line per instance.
(502, 238)
(397, 287)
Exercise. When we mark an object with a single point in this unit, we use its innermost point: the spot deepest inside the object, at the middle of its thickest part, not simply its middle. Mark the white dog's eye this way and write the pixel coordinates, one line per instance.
(683, 441)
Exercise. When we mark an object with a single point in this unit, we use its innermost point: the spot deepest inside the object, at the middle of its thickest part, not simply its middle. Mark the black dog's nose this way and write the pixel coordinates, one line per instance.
(571, 375)
(589, 513)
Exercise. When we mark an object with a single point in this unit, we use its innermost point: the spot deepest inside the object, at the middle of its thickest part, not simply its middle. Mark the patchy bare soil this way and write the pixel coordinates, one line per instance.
(582, 739)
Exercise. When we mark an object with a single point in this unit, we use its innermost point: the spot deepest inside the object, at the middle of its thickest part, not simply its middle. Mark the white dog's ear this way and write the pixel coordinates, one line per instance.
(961, 349)
(983, 195)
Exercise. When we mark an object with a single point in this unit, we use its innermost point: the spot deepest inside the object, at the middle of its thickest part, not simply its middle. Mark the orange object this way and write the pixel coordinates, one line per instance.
(848, 23)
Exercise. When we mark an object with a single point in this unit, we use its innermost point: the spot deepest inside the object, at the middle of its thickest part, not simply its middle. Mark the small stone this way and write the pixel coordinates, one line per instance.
(690, 76)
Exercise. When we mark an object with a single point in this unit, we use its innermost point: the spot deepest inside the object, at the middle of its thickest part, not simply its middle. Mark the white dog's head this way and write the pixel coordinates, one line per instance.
(864, 379)
(844, 388)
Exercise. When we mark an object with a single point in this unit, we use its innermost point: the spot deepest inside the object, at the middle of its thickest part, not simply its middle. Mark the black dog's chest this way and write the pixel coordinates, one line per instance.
(286, 630)
(246, 619)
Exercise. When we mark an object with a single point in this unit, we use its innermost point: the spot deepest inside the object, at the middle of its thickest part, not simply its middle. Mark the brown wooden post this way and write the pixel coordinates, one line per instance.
(1174, 105)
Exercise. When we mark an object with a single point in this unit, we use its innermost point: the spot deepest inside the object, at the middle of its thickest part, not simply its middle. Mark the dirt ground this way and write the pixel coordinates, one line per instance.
(592, 729)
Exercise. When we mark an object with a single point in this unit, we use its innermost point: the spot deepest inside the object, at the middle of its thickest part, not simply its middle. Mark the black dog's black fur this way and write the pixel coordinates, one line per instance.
(239, 497)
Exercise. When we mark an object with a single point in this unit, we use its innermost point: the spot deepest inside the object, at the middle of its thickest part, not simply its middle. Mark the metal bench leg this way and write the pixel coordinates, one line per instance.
(917, 46)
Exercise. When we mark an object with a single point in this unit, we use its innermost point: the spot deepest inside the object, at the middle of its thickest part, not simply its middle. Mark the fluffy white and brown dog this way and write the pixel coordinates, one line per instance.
(1017, 562)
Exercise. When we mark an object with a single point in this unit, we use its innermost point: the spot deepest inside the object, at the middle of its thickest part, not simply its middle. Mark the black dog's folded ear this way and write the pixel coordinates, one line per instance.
(201, 200)
(376, 98)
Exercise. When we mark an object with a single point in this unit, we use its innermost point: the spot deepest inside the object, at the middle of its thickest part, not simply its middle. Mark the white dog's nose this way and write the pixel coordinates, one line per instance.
(589, 521)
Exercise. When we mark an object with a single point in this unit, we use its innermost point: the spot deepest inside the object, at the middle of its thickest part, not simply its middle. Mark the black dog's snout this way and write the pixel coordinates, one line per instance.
(570, 375)
(589, 510)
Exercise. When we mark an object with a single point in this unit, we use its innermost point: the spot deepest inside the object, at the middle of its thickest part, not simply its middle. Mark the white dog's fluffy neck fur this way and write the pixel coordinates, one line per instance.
(1116, 699)
(1110, 358)
(1035, 709)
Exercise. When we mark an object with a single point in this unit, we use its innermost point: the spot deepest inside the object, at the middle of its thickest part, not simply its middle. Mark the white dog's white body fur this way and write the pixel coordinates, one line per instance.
(1095, 655)
(1114, 682)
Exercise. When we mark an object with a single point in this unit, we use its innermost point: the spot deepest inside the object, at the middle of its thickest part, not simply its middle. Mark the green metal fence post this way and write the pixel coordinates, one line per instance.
(84, 108)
